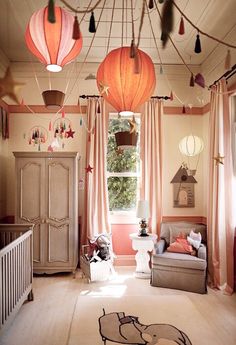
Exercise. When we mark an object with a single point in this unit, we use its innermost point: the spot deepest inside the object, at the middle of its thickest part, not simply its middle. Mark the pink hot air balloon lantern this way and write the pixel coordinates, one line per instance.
(52, 43)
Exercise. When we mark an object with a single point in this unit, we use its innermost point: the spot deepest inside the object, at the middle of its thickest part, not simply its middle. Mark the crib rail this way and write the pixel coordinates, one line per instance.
(16, 269)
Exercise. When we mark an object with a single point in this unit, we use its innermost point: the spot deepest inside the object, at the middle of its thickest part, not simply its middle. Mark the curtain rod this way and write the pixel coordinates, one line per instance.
(89, 96)
(161, 97)
(97, 96)
(226, 75)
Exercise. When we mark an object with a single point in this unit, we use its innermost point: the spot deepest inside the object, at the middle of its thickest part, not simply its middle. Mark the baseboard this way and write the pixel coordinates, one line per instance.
(125, 260)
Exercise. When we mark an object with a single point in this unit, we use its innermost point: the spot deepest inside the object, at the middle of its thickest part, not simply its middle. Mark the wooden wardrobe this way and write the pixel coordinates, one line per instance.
(47, 195)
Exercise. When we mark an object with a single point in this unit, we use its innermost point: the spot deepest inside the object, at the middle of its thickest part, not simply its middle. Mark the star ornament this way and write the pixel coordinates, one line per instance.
(103, 88)
(119, 151)
(219, 159)
(9, 87)
(89, 169)
(70, 133)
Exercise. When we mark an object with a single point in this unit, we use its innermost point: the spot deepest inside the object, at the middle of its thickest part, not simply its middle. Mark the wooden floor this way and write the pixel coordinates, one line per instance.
(47, 320)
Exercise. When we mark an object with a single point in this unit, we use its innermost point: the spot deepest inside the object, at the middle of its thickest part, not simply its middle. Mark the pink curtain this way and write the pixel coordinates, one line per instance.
(96, 210)
(151, 161)
(220, 181)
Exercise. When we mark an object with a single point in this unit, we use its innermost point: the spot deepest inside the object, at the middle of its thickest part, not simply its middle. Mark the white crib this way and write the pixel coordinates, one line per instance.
(16, 269)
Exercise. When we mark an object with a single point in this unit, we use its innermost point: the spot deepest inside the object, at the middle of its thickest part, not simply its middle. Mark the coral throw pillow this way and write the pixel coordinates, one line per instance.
(181, 245)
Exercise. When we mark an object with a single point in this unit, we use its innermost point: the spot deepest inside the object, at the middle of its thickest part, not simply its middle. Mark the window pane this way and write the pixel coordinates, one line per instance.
(122, 193)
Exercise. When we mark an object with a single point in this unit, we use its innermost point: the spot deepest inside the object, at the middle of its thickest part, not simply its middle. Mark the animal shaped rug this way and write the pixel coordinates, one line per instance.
(126, 329)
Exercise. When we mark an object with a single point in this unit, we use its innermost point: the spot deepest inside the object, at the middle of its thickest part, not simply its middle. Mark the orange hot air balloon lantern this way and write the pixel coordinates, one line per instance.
(119, 83)
(52, 43)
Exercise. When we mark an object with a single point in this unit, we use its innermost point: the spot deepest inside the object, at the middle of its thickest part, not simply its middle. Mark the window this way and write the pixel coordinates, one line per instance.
(123, 169)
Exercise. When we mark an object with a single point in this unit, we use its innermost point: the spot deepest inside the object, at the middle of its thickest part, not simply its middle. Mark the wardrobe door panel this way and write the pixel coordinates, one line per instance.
(30, 200)
(58, 244)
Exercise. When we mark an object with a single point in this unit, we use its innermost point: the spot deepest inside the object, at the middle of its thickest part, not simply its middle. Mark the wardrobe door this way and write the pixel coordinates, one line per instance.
(60, 229)
(30, 201)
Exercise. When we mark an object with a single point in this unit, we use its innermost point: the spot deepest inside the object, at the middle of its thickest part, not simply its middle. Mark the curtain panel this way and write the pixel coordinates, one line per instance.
(151, 161)
(220, 182)
(96, 209)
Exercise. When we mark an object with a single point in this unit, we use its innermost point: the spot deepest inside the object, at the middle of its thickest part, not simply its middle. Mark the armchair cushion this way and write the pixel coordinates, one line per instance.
(159, 246)
(202, 252)
(177, 260)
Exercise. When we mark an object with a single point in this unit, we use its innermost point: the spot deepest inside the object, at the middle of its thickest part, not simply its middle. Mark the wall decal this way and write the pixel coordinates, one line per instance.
(183, 188)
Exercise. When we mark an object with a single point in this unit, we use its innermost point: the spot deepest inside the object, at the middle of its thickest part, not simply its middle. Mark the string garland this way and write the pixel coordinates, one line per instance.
(88, 10)
(202, 32)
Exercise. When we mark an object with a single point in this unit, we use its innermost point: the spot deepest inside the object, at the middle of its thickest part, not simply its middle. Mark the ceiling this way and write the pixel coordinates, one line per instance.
(212, 16)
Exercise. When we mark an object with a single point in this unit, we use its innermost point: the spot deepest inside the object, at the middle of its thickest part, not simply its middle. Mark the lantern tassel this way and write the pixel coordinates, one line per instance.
(228, 60)
(198, 47)
(76, 30)
(181, 27)
(132, 50)
(191, 83)
(150, 4)
(50, 126)
(136, 64)
(184, 110)
(51, 12)
(92, 26)
(98, 108)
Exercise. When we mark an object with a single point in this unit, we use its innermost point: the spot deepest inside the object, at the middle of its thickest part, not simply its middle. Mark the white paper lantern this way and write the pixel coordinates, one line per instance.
(191, 145)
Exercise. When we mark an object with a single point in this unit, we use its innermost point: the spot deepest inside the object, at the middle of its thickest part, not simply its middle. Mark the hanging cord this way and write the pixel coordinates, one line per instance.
(153, 34)
(69, 75)
(109, 37)
(86, 56)
(132, 20)
(202, 32)
(141, 23)
(85, 12)
(49, 81)
(122, 27)
(88, 10)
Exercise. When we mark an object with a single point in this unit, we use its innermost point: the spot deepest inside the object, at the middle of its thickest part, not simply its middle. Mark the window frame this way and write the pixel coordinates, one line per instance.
(122, 216)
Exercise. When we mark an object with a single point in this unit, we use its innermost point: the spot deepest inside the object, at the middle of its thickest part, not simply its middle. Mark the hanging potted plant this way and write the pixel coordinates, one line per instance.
(127, 139)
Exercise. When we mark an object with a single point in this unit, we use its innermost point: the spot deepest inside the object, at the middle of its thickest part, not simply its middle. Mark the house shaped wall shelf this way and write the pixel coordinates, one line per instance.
(183, 188)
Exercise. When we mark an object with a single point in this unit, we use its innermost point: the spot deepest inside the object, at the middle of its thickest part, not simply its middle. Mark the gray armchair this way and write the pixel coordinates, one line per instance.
(175, 270)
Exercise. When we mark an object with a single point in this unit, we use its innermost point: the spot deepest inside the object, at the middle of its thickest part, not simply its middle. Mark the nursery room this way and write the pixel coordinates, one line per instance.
(117, 172)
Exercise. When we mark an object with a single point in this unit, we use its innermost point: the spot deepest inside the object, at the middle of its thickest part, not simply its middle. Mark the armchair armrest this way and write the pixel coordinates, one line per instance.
(159, 246)
(202, 253)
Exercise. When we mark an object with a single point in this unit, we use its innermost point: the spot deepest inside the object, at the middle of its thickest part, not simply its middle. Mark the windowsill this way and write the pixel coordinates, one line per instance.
(123, 218)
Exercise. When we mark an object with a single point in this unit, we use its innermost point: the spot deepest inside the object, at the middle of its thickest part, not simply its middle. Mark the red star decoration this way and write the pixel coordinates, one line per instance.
(89, 169)
(70, 133)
